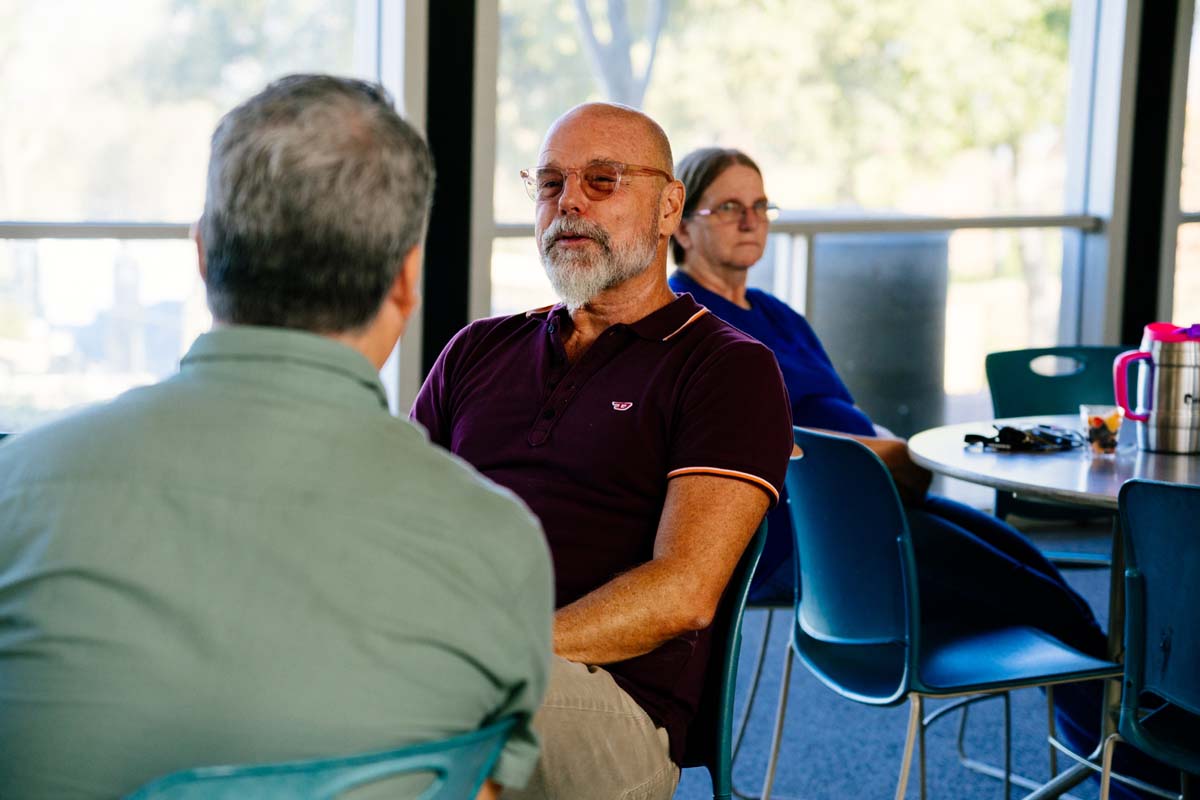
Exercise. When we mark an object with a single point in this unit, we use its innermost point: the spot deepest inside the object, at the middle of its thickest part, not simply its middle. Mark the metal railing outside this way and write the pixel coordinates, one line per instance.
(803, 232)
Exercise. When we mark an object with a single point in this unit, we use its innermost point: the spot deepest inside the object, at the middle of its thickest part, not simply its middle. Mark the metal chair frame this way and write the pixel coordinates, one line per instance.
(751, 696)
(876, 621)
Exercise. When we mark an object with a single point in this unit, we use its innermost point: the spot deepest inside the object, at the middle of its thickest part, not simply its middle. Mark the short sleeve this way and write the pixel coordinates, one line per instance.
(432, 408)
(733, 419)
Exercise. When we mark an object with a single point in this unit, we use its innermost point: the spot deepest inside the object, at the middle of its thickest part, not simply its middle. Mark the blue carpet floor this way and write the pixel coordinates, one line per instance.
(835, 749)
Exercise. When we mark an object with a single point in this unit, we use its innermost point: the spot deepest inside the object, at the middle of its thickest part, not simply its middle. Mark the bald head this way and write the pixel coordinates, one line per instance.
(639, 139)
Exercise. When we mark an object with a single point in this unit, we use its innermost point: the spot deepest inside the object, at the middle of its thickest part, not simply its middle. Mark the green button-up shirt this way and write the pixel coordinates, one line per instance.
(253, 561)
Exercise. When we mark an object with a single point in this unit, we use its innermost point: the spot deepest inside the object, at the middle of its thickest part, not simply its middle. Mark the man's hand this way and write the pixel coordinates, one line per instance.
(489, 791)
(705, 525)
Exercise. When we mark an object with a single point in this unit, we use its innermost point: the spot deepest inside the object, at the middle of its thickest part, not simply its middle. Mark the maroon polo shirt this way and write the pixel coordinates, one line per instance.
(591, 446)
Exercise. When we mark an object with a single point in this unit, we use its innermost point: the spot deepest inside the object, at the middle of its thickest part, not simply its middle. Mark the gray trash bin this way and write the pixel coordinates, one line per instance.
(879, 305)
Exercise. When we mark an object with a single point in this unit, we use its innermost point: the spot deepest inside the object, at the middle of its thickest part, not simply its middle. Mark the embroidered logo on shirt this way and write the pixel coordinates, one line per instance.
(620, 405)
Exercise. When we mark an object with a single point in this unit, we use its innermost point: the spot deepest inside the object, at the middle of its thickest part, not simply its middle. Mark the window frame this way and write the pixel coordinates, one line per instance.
(396, 34)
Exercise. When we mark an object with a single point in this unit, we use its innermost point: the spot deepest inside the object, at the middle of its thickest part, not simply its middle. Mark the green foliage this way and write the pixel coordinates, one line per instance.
(844, 102)
(219, 48)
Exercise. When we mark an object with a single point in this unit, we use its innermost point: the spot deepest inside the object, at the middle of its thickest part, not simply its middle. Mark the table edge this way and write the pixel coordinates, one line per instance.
(1077, 498)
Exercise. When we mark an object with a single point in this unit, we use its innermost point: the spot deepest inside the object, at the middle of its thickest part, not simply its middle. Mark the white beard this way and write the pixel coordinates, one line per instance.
(580, 275)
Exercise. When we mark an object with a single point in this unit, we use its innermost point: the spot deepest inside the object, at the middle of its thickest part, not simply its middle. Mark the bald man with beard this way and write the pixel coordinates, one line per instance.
(648, 436)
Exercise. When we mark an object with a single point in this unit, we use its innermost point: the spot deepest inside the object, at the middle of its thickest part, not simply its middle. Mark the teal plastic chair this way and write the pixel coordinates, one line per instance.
(458, 765)
(856, 624)
(710, 736)
(1160, 701)
(1018, 391)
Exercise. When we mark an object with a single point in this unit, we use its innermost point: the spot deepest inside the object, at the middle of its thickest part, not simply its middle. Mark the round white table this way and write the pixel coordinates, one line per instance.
(1072, 476)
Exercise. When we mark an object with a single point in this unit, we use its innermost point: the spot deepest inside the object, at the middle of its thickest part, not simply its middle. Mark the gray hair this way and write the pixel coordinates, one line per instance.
(317, 189)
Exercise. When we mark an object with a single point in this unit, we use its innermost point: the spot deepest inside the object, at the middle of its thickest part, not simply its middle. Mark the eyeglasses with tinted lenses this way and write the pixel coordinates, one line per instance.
(598, 179)
(733, 211)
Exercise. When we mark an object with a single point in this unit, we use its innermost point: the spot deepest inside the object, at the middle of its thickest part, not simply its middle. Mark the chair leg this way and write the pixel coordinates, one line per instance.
(759, 660)
(777, 736)
(753, 691)
(914, 724)
(1106, 768)
(920, 703)
(1007, 745)
(1052, 726)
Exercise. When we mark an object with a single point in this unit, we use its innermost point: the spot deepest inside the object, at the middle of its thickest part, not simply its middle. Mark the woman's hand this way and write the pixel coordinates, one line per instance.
(912, 481)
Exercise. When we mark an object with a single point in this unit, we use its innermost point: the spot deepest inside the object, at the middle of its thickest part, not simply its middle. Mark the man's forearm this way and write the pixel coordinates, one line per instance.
(630, 615)
(705, 525)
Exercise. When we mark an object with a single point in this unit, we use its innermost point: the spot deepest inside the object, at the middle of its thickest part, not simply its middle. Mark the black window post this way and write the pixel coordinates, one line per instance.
(1151, 124)
(449, 127)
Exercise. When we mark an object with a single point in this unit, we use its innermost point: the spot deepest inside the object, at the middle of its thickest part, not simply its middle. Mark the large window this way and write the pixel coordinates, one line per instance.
(922, 107)
(105, 115)
(876, 111)
(1186, 294)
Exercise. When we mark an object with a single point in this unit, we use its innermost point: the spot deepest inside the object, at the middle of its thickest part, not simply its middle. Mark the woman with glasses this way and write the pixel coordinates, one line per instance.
(970, 563)
(726, 216)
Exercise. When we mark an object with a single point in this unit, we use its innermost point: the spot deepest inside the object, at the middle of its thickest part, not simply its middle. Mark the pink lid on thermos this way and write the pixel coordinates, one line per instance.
(1168, 409)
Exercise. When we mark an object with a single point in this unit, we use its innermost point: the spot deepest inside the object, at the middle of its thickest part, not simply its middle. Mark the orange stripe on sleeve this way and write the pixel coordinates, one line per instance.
(690, 320)
(727, 473)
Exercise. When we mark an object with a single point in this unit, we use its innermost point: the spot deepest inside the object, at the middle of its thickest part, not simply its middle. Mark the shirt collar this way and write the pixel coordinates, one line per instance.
(248, 343)
(659, 325)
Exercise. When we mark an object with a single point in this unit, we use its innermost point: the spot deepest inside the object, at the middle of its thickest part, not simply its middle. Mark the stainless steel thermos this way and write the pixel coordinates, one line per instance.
(1168, 388)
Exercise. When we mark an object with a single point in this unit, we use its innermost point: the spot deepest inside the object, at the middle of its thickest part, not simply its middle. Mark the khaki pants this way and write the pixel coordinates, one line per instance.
(597, 743)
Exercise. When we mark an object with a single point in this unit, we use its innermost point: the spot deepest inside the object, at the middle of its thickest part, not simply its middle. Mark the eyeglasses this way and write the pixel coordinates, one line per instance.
(598, 179)
(733, 211)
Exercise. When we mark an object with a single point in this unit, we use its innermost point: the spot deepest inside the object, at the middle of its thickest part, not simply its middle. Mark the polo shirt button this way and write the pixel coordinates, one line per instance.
(550, 328)
(548, 413)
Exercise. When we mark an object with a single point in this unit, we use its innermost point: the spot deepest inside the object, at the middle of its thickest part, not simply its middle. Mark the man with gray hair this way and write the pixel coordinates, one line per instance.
(253, 560)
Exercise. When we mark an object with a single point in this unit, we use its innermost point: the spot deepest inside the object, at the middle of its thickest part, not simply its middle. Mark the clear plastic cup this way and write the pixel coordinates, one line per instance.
(1102, 426)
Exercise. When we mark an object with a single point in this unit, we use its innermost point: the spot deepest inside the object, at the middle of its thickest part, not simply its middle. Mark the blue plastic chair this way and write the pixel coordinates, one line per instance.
(710, 736)
(1162, 628)
(1018, 391)
(458, 765)
(857, 621)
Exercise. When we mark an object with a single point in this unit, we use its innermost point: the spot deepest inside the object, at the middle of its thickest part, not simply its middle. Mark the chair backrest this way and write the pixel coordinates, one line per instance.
(1018, 391)
(710, 736)
(848, 522)
(458, 765)
(1162, 618)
